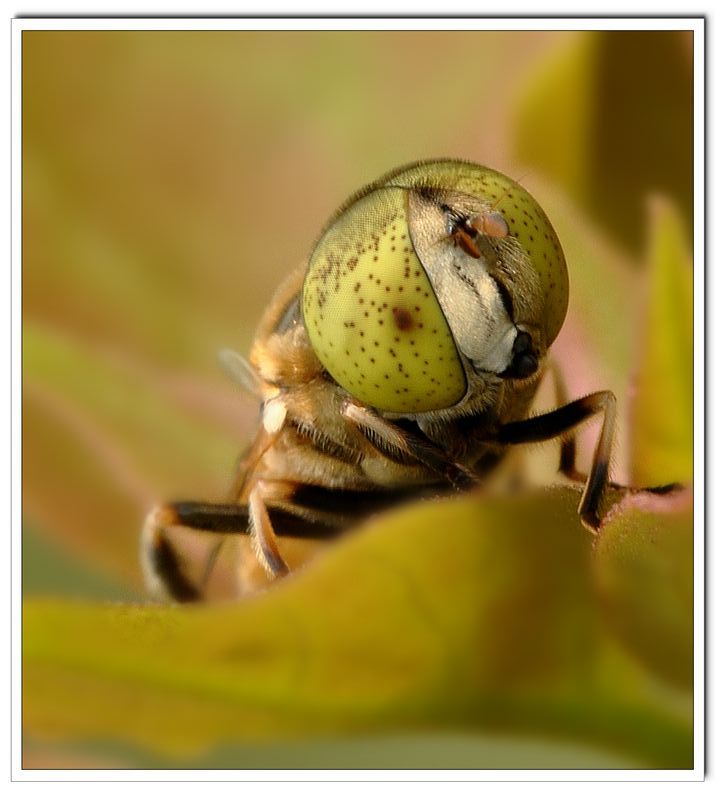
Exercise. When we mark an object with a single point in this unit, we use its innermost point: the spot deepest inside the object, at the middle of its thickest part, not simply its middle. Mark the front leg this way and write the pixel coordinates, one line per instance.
(568, 443)
(562, 421)
(262, 534)
(394, 441)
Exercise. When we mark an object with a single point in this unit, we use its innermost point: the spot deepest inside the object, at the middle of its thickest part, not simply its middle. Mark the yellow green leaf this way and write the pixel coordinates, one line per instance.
(662, 409)
(609, 117)
(478, 614)
(555, 116)
(644, 560)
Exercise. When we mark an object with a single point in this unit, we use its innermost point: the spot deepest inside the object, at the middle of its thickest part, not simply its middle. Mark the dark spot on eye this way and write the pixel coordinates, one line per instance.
(403, 319)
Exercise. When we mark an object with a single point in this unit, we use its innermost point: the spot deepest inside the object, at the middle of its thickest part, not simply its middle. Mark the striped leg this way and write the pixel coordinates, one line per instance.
(568, 443)
(163, 569)
(568, 447)
(299, 513)
(408, 446)
(264, 540)
(563, 420)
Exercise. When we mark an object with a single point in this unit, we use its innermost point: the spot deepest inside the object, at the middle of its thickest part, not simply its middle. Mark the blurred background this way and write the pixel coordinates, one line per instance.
(172, 179)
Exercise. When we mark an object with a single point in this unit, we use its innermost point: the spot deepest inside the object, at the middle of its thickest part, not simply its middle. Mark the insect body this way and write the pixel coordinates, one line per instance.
(401, 360)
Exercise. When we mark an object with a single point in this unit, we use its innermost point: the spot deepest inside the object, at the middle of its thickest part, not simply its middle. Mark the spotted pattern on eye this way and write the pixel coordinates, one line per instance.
(525, 220)
(372, 315)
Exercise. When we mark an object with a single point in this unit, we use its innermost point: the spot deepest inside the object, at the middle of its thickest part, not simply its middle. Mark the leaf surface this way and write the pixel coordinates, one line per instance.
(477, 614)
(662, 408)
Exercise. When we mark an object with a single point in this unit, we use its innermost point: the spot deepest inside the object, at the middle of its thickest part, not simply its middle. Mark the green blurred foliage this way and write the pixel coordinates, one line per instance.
(662, 411)
(496, 626)
(170, 181)
(610, 119)
(645, 573)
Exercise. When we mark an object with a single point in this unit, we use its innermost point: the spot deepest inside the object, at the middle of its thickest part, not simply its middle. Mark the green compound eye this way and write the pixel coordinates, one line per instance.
(387, 297)
(526, 221)
(372, 315)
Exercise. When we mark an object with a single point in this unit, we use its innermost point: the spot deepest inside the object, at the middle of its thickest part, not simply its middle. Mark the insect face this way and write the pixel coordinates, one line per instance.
(430, 280)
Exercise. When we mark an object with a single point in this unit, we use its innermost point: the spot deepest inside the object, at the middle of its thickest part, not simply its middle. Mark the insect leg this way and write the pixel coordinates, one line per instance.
(162, 566)
(163, 571)
(564, 419)
(568, 443)
(568, 446)
(262, 534)
(391, 439)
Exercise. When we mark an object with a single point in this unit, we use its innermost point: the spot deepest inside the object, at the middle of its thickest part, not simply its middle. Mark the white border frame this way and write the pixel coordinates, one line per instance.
(697, 25)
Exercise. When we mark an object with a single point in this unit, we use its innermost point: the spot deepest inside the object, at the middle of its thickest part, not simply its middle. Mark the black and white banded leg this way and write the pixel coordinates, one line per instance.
(561, 421)
(408, 446)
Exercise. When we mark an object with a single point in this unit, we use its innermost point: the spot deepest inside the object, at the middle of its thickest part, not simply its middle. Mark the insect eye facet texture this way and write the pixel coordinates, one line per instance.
(527, 223)
(382, 297)
(372, 313)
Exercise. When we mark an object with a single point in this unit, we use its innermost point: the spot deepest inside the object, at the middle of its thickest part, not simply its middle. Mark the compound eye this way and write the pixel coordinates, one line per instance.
(515, 222)
(524, 360)
(372, 314)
